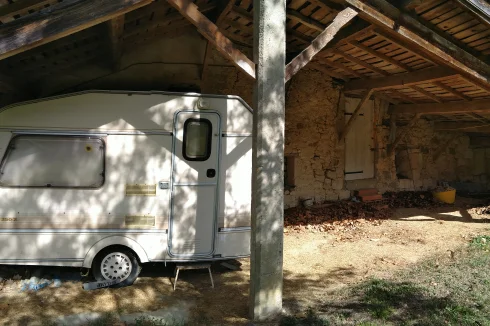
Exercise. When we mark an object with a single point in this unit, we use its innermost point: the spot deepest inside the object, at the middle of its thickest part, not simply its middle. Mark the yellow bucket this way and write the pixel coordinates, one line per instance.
(448, 196)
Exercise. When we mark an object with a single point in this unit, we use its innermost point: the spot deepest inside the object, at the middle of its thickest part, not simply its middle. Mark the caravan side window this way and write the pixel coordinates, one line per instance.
(197, 139)
(53, 161)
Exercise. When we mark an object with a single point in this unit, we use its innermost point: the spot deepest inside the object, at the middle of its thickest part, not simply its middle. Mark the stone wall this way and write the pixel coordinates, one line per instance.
(426, 157)
(313, 114)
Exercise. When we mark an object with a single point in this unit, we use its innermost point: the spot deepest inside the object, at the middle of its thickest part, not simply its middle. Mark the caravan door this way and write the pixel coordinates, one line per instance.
(194, 184)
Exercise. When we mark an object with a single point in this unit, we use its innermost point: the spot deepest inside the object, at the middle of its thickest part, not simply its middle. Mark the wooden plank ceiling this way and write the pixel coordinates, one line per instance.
(362, 55)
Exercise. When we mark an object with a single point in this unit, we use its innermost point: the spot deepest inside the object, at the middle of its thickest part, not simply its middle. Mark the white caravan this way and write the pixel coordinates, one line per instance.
(109, 180)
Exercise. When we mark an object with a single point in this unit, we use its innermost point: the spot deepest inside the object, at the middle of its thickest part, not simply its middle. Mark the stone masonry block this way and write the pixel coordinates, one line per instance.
(344, 194)
(337, 184)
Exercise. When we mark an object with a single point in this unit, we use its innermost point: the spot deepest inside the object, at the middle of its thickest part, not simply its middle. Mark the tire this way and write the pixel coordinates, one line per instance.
(116, 263)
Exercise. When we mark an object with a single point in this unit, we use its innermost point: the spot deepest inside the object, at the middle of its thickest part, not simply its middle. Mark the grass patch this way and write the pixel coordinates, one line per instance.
(153, 321)
(449, 290)
(310, 319)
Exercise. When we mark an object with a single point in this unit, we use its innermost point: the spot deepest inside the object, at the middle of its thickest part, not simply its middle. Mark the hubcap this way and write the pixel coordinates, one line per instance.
(116, 266)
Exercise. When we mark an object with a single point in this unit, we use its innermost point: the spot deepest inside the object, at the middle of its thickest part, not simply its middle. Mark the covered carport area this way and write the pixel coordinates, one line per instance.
(427, 59)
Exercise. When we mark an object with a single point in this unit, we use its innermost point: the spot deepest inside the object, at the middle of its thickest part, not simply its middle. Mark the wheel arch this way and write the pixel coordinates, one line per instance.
(114, 241)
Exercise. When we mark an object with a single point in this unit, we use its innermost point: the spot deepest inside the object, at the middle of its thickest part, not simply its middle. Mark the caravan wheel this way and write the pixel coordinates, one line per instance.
(116, 264)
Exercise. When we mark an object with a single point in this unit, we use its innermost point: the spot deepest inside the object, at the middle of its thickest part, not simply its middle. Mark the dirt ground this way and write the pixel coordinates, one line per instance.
(315, 264)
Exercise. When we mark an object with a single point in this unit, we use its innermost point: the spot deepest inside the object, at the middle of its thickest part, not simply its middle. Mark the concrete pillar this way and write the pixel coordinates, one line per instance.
(268, 159)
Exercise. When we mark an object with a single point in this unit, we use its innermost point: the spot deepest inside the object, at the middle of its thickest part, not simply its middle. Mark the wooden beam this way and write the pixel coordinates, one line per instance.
(207, 52)
(20, 7)
(238, 39)
(483, 129)
(116, 30)
(211, 32)
(225, 10)
(358, 109)
(319, 42)
(406, 79)
(459, 126)
(410, 4)
(403, 133)
(300, 36)
(452, 91)
(397, 23)
(385, 97)
(361, 63)
(380, 55)
(357, 29)
(444, 108)
(305, 20)
(398, 64)
(426, 93)
(403, 96)
(62, 20)
(243, 13)
(331, 4)
(166, 23)
(338, 65)
(327, 71)
(398, 41)
(479, 8)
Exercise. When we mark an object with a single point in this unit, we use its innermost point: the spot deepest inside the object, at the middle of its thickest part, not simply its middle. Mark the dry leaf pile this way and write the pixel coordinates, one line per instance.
(483, 210)
(334, 215)
(348, 215)
(411, 199)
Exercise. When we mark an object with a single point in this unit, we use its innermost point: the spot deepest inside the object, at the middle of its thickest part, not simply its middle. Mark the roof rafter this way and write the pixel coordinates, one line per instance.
(395, 22)
(302, 59)
(211, 32)
(459, 126)
(52, 23)
(207, 53)
(406, 79)
(21, 7)
(443, 108)
(305, 20)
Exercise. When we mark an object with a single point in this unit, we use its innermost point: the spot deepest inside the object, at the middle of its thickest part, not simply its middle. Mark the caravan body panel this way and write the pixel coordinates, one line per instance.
(53, 225)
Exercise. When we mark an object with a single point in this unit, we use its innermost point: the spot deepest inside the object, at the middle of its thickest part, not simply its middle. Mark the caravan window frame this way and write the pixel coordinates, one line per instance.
(48, 186)
(208, 143)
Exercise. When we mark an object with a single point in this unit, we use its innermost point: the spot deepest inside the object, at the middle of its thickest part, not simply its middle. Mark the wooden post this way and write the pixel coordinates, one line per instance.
(268, 160)
(347, 127)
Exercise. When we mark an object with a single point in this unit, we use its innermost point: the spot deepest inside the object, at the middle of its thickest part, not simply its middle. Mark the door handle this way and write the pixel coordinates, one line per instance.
(211, 173)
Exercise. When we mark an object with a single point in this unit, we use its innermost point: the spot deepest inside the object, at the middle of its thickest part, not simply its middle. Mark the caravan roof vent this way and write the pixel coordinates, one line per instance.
(202, 104)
